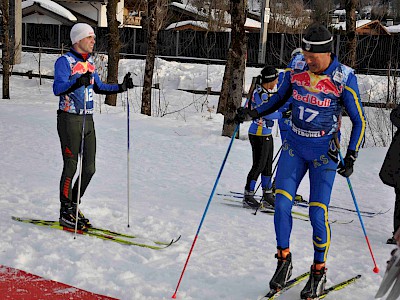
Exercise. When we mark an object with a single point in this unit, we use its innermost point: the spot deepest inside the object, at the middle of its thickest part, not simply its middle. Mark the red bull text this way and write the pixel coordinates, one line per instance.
(313, 100)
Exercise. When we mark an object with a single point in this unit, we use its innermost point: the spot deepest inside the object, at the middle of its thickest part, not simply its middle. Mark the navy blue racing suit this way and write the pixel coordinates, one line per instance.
(317, 103)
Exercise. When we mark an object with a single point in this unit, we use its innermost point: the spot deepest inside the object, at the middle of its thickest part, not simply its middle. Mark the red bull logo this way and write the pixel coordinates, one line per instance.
(301, 79)
(316, 83)
(82, 67)
(327, 87)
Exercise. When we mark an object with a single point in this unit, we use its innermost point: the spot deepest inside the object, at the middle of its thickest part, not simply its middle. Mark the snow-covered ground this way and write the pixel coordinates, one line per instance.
(174, 162)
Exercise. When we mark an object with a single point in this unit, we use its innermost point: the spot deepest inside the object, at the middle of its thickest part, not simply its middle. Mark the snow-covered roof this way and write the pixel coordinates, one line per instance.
(227, 18)
(51, 6)
(189, 7)
(393, 29)
(339, 12)
(249, 23)
(342, 25)
(252, 23)
(199, 24)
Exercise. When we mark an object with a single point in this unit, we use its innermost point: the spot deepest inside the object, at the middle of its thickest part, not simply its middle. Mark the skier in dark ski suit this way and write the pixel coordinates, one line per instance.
(261, 140)
(74, 72)
(320, 88)
(390, 171)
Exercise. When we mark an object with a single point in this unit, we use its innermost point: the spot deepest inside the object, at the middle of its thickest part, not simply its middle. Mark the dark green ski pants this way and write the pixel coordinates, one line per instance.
(69, 127)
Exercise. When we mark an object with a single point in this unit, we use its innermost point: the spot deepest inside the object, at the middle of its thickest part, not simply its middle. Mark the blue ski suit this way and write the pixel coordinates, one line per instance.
(318, 101)
(67, 69)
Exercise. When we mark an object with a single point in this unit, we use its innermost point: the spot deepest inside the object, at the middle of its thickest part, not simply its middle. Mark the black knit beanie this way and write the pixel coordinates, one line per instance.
(317, 39)
(268, 74)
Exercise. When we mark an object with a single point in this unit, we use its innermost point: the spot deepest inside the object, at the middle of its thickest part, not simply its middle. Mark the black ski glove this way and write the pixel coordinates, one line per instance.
(347, 169)
(287, 114)
(127, 83)
(84, 79)
(242, 113)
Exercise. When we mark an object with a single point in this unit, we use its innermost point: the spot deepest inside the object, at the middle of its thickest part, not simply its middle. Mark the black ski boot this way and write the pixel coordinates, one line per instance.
(283, 271)
(249, 201)
(391, 241)
(68, 216)
(84, 220)
(268, 198)
(315, 285)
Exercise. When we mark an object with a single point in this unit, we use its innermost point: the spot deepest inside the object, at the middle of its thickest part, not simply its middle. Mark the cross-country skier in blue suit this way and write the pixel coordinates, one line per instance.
(320, 87)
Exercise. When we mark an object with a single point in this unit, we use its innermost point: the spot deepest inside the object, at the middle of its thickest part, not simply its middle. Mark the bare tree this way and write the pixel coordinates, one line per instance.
(6, 57)
(351, 43)
(288, 16)
(114, 45)
(156, 10)
(236, 59)
(321, 11)
(215, 11)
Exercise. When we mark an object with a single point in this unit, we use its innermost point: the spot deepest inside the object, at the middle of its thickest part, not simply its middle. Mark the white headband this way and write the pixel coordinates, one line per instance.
(318, 43)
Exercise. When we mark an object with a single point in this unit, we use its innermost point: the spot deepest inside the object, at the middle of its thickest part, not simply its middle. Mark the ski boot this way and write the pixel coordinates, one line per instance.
(391, 241)
(283, 270)
(316, 282)
(68, 216)
(84, 220)
(249, 201)
(268, 198)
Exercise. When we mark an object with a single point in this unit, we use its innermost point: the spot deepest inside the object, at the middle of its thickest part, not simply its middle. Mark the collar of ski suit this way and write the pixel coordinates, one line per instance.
(79, 55)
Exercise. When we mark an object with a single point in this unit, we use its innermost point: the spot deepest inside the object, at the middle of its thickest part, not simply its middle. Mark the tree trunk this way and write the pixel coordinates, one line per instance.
(114, 45)
(150, 57)
(351, 43)
(237, 64)
(223, 97)
(6, 49)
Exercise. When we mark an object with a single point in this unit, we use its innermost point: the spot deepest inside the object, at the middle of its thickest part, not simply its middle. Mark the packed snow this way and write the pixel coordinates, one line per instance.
(174, 162)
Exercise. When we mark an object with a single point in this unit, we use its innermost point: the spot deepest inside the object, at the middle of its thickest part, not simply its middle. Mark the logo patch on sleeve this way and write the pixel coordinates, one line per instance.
(299, 65)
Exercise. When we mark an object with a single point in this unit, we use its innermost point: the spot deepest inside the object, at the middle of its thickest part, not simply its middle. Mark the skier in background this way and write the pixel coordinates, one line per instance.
(390, 171)
(320, 87)
(74, 72)
(261, 140)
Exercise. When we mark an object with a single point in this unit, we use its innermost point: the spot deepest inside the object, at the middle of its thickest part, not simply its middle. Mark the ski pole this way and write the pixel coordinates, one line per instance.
(375, 269)
(128, 152)
(80, 162)
(213, 190)
(206, 209)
